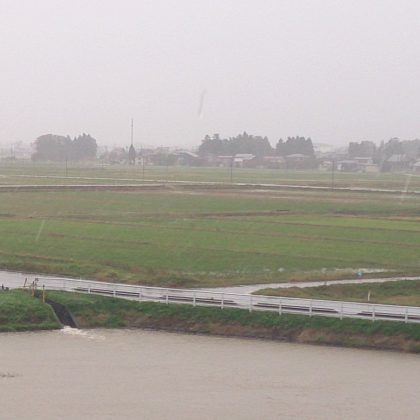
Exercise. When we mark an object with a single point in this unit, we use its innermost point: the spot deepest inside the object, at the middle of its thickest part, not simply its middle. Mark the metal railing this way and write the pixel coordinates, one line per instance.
(197, 297)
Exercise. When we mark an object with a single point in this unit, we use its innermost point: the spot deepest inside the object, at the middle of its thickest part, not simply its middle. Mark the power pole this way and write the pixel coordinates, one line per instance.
(132, 130)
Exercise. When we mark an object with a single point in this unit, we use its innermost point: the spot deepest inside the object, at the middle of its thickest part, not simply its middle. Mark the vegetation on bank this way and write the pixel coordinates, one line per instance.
(404, 292)
(19, 311)
(91, 311)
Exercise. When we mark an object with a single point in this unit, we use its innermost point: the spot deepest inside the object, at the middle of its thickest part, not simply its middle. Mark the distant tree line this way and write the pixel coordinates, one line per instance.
(256, 145)
(295, 145)
(53, 147)
(410, 149)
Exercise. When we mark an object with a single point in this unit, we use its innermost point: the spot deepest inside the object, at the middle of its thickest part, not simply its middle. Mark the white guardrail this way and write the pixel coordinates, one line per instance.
(197, 297)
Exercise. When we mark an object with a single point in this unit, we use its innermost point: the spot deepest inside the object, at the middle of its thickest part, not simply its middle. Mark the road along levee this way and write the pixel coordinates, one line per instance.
(197, 297)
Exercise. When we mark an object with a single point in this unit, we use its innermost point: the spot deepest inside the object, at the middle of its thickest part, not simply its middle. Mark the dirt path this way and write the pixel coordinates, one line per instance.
(255, 287)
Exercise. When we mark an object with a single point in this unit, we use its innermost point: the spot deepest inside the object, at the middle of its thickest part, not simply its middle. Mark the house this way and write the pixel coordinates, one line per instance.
(274, 162)
(300, 161)
(416, 167)
(348, 165)
(239, 160)
(396, 163)
(187, 158)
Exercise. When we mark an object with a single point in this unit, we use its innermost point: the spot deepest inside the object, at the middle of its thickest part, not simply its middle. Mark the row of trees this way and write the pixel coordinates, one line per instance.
(256, 145)
(410, 149)
(60, 148)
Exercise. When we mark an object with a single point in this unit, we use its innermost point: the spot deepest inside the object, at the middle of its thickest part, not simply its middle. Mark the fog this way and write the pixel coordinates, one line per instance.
(333, 70)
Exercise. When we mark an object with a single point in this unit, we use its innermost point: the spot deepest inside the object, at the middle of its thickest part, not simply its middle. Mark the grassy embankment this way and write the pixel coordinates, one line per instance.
(406, 293)
(20, 312)
(208, 238)
(98, 311)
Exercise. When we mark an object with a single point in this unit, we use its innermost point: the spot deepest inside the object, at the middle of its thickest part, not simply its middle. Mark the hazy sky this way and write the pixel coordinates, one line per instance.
(333, 70)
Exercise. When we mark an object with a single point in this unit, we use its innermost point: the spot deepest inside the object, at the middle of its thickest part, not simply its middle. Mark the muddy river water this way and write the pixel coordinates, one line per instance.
(124, 374)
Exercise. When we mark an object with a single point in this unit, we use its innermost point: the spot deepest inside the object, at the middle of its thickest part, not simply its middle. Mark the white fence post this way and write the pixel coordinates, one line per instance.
(373, 313)
(310, 308)
(250, 303)
(167, 296)
(341, 311)
(280, 308)
(222, 304)
(194, 299)
(406, 315)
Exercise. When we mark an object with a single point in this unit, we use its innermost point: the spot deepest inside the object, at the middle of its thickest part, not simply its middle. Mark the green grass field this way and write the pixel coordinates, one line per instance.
(394, 293)
(180, 237)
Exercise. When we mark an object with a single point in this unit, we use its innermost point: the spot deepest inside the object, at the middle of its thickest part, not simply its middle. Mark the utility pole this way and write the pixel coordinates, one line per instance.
(132, 130)
(332, 174)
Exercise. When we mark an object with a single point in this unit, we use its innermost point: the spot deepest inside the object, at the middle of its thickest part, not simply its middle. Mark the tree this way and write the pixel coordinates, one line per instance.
(247, 143)
(132, 155)
(295, 145)
(362, 149)
(59, 148)
(212, 146)
(242, 143)
(52, 147)
(83, 147)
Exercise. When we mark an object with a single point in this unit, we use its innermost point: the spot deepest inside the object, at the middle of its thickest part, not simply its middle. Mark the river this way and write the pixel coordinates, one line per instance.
(128, 374)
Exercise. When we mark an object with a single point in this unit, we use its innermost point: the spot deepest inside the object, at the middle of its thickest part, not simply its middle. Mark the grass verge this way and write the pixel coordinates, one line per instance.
(404, 292)
(21, 312)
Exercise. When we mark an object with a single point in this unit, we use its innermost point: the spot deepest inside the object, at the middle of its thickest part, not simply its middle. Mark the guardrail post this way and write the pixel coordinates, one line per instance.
(222, 303)
(250, 303)
(341, 311)
(89, 288)
(373, 313)
(406, 315)
(280, 308)
(194, 299)
(167, 296)
(310, 308)
(140, 295)
(114, 292)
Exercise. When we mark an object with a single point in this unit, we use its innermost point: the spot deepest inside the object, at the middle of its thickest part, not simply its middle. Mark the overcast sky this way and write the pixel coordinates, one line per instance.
(333, 70)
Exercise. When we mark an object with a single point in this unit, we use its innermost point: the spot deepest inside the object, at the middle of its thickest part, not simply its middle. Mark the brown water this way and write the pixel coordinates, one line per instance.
(102, 374)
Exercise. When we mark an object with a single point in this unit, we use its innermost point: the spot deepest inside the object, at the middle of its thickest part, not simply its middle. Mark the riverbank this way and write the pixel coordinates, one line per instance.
(19, 312)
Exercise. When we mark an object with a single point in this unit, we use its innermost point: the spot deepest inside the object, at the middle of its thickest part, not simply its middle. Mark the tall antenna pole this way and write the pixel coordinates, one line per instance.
(132, 130)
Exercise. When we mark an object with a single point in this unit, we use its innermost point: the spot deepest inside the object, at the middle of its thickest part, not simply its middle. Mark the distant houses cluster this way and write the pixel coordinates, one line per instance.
(242, 151)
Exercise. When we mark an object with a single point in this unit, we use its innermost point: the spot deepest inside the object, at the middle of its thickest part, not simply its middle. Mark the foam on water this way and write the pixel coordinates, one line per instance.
(81, 333)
